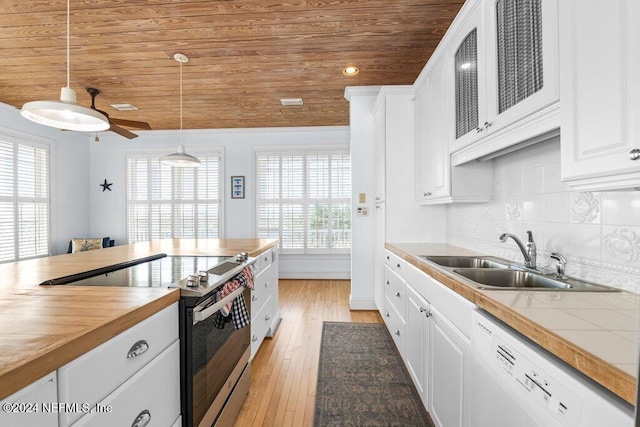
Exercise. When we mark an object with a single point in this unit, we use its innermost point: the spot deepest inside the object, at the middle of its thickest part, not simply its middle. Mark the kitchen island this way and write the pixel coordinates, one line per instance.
(594, 332)
(45, 327)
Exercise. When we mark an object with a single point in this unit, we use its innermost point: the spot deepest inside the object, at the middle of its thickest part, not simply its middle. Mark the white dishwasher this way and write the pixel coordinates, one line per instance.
(516, 383)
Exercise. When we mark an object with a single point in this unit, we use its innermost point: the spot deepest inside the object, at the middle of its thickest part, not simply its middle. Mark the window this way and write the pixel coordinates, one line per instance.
(165, 202)
(303, 198)
(24, 199)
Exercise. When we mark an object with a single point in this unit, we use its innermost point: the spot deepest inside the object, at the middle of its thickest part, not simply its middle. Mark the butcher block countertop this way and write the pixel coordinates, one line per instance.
(44, 327)
(595, 332)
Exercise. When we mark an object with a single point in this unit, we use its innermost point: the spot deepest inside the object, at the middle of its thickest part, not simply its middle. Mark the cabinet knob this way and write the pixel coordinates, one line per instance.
(254, 298)
(142, 419)
(386, 314)
(138, 349)
(478, 129)
(427, 194)
(254, 338)
(422, 309)
(398, 265)
(267, 318)
(487, 125)
(387, 256)
(266, 284)
(397, 332)
(397, 294)
(428, 314)
(634, 154)
(387, 282)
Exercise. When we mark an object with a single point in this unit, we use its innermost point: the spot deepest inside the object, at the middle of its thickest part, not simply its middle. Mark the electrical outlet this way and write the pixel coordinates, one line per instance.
(362, 198)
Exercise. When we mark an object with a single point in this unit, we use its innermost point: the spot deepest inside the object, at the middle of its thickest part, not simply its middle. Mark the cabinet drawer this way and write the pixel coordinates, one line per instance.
(394, 262)
(34, 397)
(263, 260)
(395, 290)
(396, 326)
(262, 288)
(454, 307)
(260, 323)
(92, 376)
(152, 392)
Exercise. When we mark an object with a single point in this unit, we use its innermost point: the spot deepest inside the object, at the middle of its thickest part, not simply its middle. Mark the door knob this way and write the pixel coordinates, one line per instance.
(634, 154)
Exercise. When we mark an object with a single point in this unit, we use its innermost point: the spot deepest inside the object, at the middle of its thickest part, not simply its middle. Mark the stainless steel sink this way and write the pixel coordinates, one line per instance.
(523, 279)
(467, 261)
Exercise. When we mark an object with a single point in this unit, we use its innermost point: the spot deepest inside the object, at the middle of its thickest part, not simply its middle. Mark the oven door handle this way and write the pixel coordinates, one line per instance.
(202, 314)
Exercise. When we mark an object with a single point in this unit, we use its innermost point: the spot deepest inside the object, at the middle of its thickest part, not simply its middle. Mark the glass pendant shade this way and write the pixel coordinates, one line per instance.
(181, 159)
(65, 114)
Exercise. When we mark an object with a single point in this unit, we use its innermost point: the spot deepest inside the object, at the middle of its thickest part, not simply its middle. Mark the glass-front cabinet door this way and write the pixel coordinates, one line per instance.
(469, 75)
(522, 58)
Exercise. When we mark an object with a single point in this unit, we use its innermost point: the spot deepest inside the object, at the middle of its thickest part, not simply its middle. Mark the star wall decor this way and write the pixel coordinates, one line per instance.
(106, 186)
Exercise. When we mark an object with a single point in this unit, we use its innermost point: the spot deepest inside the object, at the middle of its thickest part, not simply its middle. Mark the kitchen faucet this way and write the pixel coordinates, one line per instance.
(529, 253)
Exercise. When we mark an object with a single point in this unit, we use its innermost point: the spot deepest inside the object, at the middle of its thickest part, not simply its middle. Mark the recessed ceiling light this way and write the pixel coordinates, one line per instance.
(465, 65)
(124, 107)
(350, 70)
(291, 101)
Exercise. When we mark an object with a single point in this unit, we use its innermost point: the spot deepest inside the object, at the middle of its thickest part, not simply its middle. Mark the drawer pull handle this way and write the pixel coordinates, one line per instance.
(422, 309)
(266, 258)
(254, 338)
(387, 282)
(267, 317)
(387, 314)
(427, 194)
(398, 265)
(142, 419)
(397, 294)
(387, 256)
(397, 332)
(254, 298)
(138, 349)
(634, 154)
(266, 284)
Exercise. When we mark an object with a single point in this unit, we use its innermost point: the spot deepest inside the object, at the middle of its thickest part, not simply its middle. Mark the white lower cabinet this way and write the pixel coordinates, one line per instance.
(450, 367)
(265, 309)
(150, 397)
(431, 327)
(33, 405)
(418, 341)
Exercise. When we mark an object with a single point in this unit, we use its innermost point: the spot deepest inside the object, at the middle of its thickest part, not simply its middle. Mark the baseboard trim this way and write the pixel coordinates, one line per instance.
(329, 275)
(362, 304)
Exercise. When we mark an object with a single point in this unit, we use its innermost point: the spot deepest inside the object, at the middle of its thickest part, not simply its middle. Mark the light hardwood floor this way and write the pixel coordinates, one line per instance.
(285, 369)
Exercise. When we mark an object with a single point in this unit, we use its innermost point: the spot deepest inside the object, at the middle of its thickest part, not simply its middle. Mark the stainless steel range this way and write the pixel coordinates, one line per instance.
(215, 309)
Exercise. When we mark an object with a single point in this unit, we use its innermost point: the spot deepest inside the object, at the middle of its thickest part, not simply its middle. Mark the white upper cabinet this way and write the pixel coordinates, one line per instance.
(599, 69)
(504, 57)
(437, 181)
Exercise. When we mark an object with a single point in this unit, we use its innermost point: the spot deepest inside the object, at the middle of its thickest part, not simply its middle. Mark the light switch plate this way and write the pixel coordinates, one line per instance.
(362, 197)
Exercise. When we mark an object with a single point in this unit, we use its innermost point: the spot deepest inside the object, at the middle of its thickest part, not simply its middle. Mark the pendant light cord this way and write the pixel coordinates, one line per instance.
(180, 102)
(68, 31)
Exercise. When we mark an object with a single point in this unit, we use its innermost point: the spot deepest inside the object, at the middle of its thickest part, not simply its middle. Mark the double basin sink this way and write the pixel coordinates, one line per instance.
(496, 273)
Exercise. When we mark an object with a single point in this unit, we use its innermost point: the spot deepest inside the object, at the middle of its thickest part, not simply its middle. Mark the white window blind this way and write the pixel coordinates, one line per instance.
(165, 202)
(24, 199)
(303, 198)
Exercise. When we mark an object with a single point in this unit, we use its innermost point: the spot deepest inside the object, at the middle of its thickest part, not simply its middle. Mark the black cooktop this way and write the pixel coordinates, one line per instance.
(153, 272)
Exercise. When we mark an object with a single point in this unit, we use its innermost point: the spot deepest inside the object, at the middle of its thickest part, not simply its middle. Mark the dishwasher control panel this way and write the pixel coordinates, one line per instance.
(540, 386)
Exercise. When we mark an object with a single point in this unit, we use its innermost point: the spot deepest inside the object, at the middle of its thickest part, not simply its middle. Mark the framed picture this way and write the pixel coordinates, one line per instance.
(237, 187)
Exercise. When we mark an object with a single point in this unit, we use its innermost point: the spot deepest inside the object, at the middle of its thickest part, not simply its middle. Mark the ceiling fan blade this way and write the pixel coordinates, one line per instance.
(130, 123)
(122, 131)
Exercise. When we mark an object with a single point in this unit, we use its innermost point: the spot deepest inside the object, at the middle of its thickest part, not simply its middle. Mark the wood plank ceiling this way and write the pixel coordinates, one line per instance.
(244, 55)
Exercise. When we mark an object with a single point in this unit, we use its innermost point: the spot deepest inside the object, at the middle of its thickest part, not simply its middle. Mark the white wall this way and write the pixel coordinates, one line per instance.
(598, 233)
(69, 183)
(363, 180)
(107, 159)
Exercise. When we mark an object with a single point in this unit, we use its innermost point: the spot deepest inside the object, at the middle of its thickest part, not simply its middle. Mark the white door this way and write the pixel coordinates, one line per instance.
(450, 374)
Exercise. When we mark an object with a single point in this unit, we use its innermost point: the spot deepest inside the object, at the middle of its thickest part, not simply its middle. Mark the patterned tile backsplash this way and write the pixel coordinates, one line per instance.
(598, 233)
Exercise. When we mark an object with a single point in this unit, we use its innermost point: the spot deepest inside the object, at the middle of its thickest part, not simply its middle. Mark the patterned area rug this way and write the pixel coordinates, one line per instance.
(362, 380)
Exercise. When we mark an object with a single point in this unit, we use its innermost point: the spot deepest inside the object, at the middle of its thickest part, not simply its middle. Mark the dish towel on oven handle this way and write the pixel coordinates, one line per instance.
(235, 310)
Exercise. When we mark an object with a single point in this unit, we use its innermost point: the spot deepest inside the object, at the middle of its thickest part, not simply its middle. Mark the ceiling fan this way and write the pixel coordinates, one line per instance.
(116, 123)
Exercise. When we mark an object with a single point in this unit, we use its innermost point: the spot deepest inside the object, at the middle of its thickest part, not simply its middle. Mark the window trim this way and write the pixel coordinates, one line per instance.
(32, 140)
(197, 152)
(305, 149)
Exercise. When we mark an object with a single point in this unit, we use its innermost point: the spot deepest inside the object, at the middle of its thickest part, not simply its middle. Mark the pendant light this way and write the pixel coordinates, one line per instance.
(65, 114)
(181, 159)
